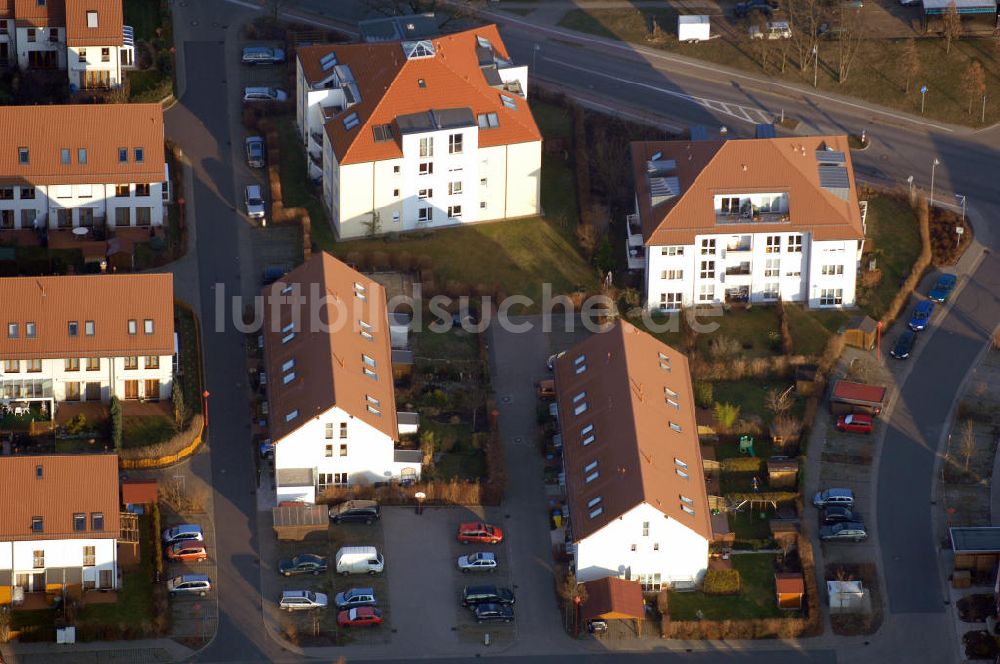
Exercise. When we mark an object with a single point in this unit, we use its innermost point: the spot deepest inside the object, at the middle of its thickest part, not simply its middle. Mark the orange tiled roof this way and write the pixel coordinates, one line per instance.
(389, 87)
(31, 14)
(766, 165)
(108, 31)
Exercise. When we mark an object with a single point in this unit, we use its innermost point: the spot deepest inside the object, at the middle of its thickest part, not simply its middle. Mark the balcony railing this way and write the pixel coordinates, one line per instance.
(316, 138)
(739, 246)
(636, 257)
(751, 218)
(633, 230)
(316, 159)
(738, 270)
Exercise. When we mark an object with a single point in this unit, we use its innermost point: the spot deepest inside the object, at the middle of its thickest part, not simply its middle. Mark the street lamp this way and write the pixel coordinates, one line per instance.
(961, 199)
(204, 397)
(534, 57)
(933, 167)
(909, 181)
(815, 64)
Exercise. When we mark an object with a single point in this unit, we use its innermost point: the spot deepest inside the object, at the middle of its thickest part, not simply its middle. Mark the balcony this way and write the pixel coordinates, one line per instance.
(738, 295)
(316, 160)
(751, 218)
(316, 137)
(738, 270)
(636, 257)
(633, 230)
(739, 246)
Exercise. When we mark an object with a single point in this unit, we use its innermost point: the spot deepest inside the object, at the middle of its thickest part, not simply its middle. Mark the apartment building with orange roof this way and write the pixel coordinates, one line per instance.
(746, 221)
(419, 134)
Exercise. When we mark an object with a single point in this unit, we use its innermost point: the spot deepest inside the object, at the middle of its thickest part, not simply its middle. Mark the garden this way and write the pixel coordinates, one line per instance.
(153, 78)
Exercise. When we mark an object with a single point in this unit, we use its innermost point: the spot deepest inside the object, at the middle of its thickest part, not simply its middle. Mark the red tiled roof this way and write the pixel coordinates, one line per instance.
(69, 484)
(626, 384)
(29, 13)
(109, 23)
(845, 389)
(705, 169)
(329, 369)
(389, 88)
(139, 492)
(789, 582)
(612, 598)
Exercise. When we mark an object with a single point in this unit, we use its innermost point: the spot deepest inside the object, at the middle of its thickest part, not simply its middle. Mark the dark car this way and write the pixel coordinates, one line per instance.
(921, 317)
(838, 514)
(255, 152)
(306, 563)
(763, 6)
(274, 272)
(493, 613)
(851, 531)
(904, 345)
(356, 511)
(474, 595)
(943, 288)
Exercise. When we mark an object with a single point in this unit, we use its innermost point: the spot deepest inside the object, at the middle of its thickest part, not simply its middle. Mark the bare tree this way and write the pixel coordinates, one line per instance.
(759, 20)
(910, 62)
(974, 82)
(968, 442)
(778, 401)
(804, 19)
(573, 595)
(952, 23)
(586, 236)
(853, 33)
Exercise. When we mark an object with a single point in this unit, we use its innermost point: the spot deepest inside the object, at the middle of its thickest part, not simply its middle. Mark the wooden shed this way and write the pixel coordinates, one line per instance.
(976, 549)
(297, 523)
(612, 598)
(782, 473)
(789, 588)
(136, 494)
(861, 332)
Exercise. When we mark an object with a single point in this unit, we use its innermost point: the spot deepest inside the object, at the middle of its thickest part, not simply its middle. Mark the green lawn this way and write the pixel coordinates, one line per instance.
(875, 76)
(146, 430)
(455, 345)
(190, 363)
(750, 396)
(144, 16)
(756, 600)
(134, 607)
(462, 460)
(895, 242)
(751, 327)
(296, 189)
(748, 525)
(730, 448)
(812, 328)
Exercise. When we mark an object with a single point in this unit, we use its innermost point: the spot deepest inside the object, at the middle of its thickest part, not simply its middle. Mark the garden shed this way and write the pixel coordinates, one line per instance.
(782, 472)
(861, 332)
(846, 595)
(789, 588)
(136, 494)
(976, 549)
(612, 598)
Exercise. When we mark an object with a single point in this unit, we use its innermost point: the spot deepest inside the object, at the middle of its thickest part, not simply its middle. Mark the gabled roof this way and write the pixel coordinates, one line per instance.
(612, 598)
(328, 347)
(107, 32)
(55, 488)
(455, 77)
(29, 13)
(640, 439)
(109, 300)
(703, 169)
(47, 130)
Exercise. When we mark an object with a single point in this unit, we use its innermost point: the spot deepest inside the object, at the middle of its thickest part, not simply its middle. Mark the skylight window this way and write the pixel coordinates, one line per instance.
(291, 416)
(418, 49)
(508, 102)
(664, 361)
(588, 440)
(687, 509)
(596, 512)
(675, 427)
(351, 121)
(594, 502)
(580, 409)
(488, 120)
(382, 133)
(374, 411)
(288, 337)
(579, 397)
(593, 476)
(288, 328)
(680, 463)
(288, 377)
(373, 400)
(328, 61)
(685, 499)
(287, 366)
(587, 429)
(590, 466)
(682, 474)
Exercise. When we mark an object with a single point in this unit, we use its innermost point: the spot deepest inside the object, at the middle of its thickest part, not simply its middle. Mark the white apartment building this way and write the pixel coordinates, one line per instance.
(632, 467)
(86, 338)
(424, 134)
(86, 38)
(329, 382)
(82, 165)
(746, 221)
(60, 523)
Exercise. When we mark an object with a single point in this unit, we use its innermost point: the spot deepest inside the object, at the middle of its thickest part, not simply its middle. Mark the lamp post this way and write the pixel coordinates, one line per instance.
(909, 181)
(933, 167)
(961, 199)
(534, 56)
(878, 345)
(815, 64)
(204, 401)
(923, 95)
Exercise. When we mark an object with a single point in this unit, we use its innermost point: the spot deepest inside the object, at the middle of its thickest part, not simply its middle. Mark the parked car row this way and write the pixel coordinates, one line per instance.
(839, 521)
(921, 316)
(186, 543)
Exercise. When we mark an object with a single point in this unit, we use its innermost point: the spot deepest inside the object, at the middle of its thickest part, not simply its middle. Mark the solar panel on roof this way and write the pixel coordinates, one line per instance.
(830, 156)
(328, 61)
(833, 177)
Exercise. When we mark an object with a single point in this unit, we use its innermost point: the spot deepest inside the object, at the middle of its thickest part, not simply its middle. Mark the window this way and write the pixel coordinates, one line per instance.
(121, 191)
(482, 181)
(88, 328)
(687, 509)
(131, 389)
(343, 430)
(672, 275)
(93, 364)
(730, 205)
(772, 244)
(395, 194)
(382, 133)
(291, 415)
(329, 450)
(29, 330)
(686, 500)
(122, 155)
(329, 431)
(12, 330)
(368, 360)
(79, 522)
(72, 363)
(425, 214)
(675, 427)
(22, 156)
(34, 366)
(395, 169)
(97, 521)
(343, 449)
(89, 556)
(371, 374)
(706, 293)
(454, 144)
(771, 291)
(74, 327)
(11, 366)
(707, 270)
(427, 147)
(772, 267)
(152, 362)
(795, 244)
(581, 364)
(372, 400)
(37, 526)
(147, 326)
(142, 189)
(37, 556)
(6, 193)
(27, 193)
(656, 546)
(424, 193)
(425, 168)
(488, 120)
(683, 475)
(671, 251)
(132, 362)
(351, 121)
(72, 389)
(340, 478)
(91, 19)
(508, 102)
(831, 270)
(64, 156)
(482, 205)
(650, 582)
(645, 528)
(455, 188)
(81, 155)
(831, 297)
(454, 211)
(707, 247)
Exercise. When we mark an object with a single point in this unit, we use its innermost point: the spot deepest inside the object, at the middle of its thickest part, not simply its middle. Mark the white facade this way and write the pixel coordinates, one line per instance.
(643, 545)
(87, 379)
(95, 66)
(339, 450)
(27, 561)
(41, 48)
(118, 205)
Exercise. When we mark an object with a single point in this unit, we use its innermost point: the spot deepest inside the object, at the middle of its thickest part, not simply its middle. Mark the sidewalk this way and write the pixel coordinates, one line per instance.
(97, 652)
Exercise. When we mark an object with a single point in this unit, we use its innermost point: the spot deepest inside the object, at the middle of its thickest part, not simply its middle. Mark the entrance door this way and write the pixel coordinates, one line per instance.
(107, 579)
(93, 391)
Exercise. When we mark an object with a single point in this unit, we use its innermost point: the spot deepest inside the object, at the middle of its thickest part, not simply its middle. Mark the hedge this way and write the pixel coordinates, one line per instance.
(742, 465)
(722, 582)
(919, 266)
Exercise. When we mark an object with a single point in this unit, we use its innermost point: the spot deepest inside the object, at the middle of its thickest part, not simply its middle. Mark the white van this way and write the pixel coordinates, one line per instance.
(359, 560)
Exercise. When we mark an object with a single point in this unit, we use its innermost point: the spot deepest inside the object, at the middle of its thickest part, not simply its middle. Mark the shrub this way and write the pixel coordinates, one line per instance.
(157, 551)
(726, 415)
(722, 582)
(168, 447)
(703, 394)
(116, 423)
(722, 347)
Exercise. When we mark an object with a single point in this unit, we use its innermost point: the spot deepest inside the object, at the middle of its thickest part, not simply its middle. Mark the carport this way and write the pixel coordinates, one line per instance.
(616, 599)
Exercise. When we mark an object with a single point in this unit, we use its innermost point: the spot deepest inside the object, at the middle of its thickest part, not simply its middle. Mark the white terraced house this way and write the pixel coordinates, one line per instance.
(330, 383)
(746, 221)
(86, 338)
(418, 134)
(86, 38)
(60, 525)
(82, 165)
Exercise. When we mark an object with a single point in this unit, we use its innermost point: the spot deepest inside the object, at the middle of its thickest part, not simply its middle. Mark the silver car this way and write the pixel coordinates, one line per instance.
(254, 201)
(262, 55)
(301, 600)
(264, 94)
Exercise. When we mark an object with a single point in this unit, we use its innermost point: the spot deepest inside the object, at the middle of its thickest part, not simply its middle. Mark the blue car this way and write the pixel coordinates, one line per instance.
(921, 315)
(943, 288)
(904, 345)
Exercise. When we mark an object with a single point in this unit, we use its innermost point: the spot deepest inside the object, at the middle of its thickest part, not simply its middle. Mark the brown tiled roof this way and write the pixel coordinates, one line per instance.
(389, 88)
(139, 492)
(612, 598)
(6, 8)
(634, 445)
(789, 582)
(765, 165)
(110, 300)
(109, 23)
(30, 14)
(46, 130)
(70, 484)
(329, 370)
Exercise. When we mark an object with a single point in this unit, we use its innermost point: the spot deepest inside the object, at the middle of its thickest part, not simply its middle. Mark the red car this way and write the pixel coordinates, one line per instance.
(479, 533)
(361, 616)
(187, 552)
(855, 423)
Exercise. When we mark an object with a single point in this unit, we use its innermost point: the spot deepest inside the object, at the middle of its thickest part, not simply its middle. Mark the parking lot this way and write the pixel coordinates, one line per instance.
(192, 616)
